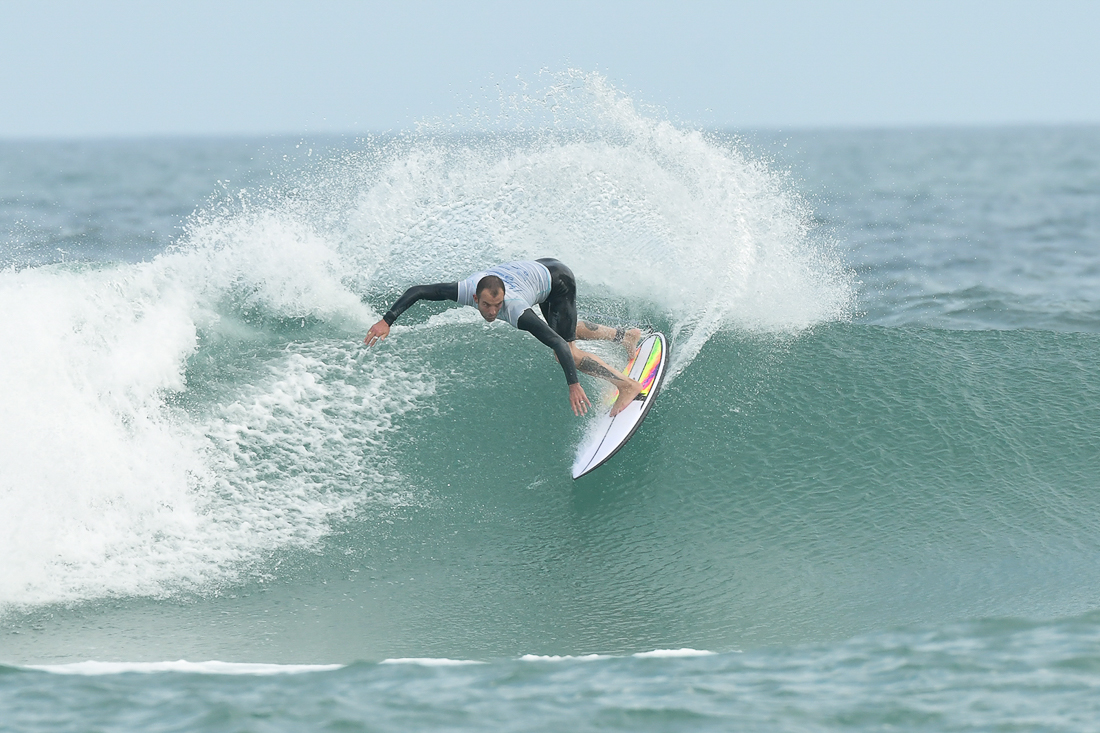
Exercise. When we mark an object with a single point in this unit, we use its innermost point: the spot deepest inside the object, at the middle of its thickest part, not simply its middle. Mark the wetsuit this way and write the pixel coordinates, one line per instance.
(545, 282)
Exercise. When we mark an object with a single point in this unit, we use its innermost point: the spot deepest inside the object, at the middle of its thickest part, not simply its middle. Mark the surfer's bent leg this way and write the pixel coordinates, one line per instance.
(560, 307)
(628, 337)
(560, 311)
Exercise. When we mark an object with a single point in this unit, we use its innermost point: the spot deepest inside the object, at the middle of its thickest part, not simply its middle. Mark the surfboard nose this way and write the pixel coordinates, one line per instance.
(609, 434)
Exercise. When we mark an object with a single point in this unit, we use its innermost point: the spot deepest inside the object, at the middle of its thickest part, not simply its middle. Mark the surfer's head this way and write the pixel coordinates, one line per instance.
(489, 296)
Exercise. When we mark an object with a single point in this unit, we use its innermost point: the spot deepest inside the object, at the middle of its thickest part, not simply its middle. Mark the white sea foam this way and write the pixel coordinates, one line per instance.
(271, 258)
(563, 658)
(110, 488)
(431, 661)
(181, 666)
(254, 668)
(95, 473)
(669, 653)
(655, 654)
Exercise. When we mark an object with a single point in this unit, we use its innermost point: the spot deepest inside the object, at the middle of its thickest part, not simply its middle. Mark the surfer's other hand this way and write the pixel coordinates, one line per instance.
(578, 400)
(377, 332)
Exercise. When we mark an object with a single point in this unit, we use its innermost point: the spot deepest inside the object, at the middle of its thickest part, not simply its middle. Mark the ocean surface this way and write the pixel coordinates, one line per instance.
(868, 497)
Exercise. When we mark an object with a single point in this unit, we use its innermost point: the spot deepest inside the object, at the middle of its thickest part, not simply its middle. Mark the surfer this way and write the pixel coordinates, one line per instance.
(512, 290)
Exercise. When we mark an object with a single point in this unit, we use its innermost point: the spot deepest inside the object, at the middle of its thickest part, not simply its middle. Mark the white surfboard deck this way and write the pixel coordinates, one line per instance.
(610, 434)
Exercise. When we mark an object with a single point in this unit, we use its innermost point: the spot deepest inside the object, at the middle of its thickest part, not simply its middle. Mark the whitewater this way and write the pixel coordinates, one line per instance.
(865, 498)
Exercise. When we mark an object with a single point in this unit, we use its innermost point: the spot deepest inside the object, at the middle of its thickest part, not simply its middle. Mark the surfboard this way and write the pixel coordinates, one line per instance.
(609, 434)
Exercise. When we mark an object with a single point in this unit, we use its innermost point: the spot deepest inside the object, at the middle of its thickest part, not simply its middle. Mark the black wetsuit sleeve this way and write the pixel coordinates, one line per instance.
(535, 326)
(439, 291)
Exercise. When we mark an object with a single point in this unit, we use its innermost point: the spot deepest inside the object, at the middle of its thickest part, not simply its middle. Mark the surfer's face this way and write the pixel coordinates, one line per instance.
(489, 303)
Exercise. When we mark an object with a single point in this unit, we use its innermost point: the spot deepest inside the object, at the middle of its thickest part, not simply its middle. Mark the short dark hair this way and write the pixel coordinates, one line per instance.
(492, 283)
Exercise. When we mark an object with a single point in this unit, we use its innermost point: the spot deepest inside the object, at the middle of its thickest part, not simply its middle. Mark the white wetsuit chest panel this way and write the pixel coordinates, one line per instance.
(526, 284)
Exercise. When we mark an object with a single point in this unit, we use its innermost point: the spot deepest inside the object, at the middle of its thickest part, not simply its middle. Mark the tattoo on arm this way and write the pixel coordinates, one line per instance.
(588, 365)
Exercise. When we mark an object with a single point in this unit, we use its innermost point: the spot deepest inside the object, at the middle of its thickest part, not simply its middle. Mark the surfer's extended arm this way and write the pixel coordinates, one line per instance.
(531, 323)
(438, 291)
(535, 326)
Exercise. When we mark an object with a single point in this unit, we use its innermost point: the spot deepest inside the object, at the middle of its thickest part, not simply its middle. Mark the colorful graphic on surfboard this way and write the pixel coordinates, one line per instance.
(609, 434)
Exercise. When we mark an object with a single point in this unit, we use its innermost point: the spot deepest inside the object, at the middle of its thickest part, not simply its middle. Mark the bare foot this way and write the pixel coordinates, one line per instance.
(631, 339)
(626, 396)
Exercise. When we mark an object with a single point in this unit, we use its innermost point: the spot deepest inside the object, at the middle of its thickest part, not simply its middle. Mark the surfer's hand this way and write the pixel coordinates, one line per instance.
(377, 332)
(578, 400)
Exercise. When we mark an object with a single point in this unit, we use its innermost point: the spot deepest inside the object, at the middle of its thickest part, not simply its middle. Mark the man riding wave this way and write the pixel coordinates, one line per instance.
(513, 289)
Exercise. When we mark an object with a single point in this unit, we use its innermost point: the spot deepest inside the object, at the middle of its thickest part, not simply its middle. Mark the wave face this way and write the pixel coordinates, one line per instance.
(202, 461)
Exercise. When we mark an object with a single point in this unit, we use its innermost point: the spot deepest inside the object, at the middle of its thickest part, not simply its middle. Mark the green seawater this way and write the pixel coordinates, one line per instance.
(849, 479)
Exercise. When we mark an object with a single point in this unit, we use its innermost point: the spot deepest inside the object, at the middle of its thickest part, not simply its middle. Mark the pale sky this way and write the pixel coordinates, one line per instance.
(124, 68)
